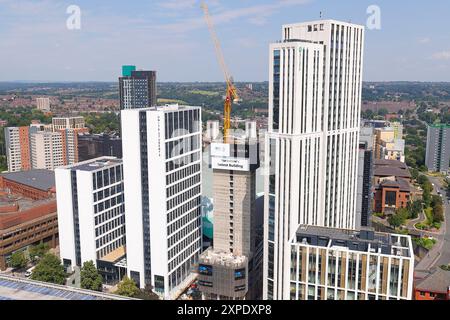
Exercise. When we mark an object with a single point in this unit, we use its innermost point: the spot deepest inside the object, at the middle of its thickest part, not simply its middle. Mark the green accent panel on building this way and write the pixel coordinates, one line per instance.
(208, 227)
(127, 70)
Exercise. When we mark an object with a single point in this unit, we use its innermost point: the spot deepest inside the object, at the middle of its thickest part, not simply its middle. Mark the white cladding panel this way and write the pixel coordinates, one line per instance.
(133, 191)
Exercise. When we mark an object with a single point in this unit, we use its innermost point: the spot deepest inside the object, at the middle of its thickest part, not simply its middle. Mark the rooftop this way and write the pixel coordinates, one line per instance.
(211, 256)
(391, 168)
(39, 179)
(400, 183)
(115, 255)
(95, 164)
(436, 281)
(364, 240)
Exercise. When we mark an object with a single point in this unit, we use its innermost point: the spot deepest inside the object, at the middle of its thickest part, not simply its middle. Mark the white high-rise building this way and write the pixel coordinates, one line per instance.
(47, 150)
(314, 116)
(43, 104)
(162, 170)
(91, 215)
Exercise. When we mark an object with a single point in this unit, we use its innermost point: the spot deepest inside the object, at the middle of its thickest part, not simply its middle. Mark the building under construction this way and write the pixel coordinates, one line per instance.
(232, 268)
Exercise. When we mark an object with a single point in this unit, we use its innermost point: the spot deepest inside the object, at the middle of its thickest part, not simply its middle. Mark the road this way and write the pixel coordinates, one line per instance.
(440, 254)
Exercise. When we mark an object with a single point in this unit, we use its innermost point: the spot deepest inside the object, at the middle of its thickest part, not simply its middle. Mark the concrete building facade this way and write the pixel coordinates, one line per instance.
(232, 269)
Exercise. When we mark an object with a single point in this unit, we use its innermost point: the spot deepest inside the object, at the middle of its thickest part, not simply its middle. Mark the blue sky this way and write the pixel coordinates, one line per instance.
(171, 37)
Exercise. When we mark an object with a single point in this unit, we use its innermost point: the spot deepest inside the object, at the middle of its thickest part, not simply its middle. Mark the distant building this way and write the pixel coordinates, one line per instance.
(91, 216)
(162, 169)
(438, 148)
(68, 123)
(47, 150)
(392, 186)
(137, 89)
(42, 146)
(365, 177)
(43, 104)
(91, 146)
(27, 212)
(17, 141)
(434, 285)
(337, 264)
(389, 143)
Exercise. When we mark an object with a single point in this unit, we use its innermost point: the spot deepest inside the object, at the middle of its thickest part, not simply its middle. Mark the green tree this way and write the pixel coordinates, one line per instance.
(438, 213)
(18, 260)
(127, 287)
(49, 269)
(38, 251)
(90, 278)
(414, 208)
(396, 221)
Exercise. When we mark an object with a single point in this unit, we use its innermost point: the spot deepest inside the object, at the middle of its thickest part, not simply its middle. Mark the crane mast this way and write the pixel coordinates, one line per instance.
(231, 93)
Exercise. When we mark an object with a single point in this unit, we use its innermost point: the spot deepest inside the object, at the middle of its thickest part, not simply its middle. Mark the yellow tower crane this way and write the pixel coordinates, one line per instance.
(231, 95)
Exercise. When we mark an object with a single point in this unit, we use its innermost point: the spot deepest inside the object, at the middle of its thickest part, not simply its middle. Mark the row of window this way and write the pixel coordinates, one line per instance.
(109, 203)
(183, 161)
(106, 177)
(182, 146)
(111, 247)
(193, 249)
(173, 227)
(180, 123)
(188, 194)
(195, 224)
(183, 173)
(189, 243)
(102, 194)
(112, 236)
(183, 185)
(113, 224)
(108, 215)
(178, 212)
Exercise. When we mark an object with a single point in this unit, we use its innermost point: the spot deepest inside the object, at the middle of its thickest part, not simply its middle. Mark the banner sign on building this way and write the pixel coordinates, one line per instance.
(235, 164)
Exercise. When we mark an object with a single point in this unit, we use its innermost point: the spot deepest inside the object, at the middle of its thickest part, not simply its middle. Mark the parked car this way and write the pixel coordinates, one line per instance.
(29, 272)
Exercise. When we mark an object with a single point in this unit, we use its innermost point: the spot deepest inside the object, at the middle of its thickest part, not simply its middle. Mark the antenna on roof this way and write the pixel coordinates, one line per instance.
(321, 14)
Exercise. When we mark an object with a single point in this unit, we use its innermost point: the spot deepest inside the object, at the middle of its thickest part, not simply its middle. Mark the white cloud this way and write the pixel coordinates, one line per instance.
(256, 14)
(443, 55)
(424, 40)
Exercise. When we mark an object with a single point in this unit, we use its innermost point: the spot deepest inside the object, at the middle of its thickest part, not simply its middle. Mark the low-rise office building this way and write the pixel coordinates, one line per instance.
(27, 212)
(91, 216)
(337, 264)
(392, 186)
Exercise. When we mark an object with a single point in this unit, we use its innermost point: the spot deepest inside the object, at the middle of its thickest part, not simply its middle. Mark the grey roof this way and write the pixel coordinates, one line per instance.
(38, 179)
(385, 171)
(390, 163)
(437, 281)
(400, 183)
(96, 164)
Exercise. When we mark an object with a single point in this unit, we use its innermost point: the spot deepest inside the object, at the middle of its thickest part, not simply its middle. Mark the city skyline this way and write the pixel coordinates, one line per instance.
(152, 35)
